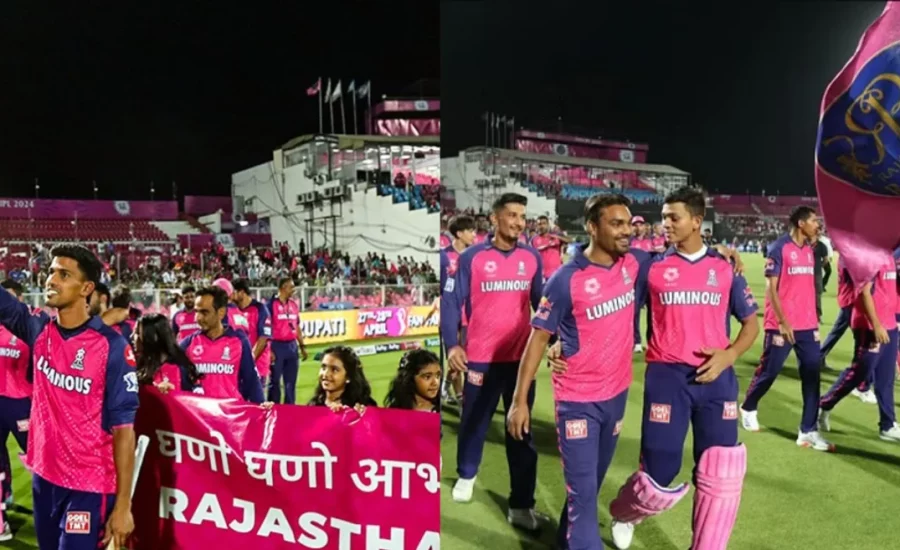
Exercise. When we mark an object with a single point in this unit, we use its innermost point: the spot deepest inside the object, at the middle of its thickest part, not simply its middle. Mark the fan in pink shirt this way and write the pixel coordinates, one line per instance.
(160, 361)
(549, 245)
(641, 240)
(15, 403)
(463, 230)
(589, 303)
(81, 439)
(497, 284)
(874, 325)
(692, 293)
(184, 323)
(791, 323)
(260, 327)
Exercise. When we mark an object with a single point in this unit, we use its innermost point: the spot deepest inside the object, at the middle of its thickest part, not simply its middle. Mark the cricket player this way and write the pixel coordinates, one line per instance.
(639, 241)
(121, 299)
(874, 325)
(184, 323)
(222, 354)
(791, 323)
(589, 303)
(691, 291)
(233, 316)
(260, 325)
(497, 284)
(549, 245)
(463, 230)
(287, 338)
(15, 403)
(658, 241)
(80, 436)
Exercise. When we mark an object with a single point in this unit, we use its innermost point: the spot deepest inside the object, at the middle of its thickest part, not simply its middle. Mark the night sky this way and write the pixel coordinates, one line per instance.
(730, 96)
(183, 92)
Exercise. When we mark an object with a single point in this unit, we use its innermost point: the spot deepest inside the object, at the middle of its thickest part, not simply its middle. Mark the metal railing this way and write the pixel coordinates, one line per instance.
(311, 298)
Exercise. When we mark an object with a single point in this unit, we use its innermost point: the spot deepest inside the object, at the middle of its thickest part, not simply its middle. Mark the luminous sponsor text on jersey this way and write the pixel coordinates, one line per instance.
(505, 286)
(690, 298)
(215, 368)
(801, 270)
(610, 306)
(66, 382)
(10, 352)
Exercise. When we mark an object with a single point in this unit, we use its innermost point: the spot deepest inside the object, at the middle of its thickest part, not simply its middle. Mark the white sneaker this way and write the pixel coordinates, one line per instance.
(892, 434)
(7, 533)
(622, 534)
(814, 441)
(638, 348)
(749, 421)
(867, 397)
(824, 420)
(526, 518)
(463, 489)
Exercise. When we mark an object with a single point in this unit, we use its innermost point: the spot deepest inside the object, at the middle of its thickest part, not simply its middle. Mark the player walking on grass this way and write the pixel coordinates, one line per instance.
(791, 323)
(81, 439)
(692, 291)
(497, 284)
(259, 326)
(287, 341)
(589, 303)
(463, 230)
(874, 325)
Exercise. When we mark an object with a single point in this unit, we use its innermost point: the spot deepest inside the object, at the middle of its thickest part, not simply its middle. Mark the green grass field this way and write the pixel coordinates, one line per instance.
(793, 498)
(380, 370)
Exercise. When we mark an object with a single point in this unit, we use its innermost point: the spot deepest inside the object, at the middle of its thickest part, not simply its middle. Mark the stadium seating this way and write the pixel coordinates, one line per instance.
(87, 230)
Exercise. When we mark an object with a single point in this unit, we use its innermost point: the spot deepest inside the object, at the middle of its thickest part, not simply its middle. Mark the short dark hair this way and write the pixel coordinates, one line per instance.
(121, 296)
(508, 198)
(220, 299)
(593, 208)
(102, 290)
(460, 223)
(800, 213)
(543, 217)
(87, 262)
(694, 199)
(187, 288)
(241, 284)
(283, 281)
(17, 288)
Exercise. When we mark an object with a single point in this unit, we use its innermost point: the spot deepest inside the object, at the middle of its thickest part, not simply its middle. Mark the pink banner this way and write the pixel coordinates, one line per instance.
(224, 474)
(408, 127)
(406, 105)
(582, 151)
(857, 159)
(199, 205)
(567, 138)
(64, 209)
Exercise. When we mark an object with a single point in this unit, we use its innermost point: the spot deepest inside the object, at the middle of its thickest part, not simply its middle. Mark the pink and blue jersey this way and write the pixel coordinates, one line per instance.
(177, 376)
(846, 294)
(285, 319)
(235, 319)
(495, 290)
(85, 385)
(897, 271)
(15, 359)
(794, 266)
(481, 237)
(446, 240)
(884, 294)
(641, 243)
(690, 305)
(260, 325)
(658, 243)
(550, 248)
(125, 328)
(227, 365)
(184, 324)
(591, 308)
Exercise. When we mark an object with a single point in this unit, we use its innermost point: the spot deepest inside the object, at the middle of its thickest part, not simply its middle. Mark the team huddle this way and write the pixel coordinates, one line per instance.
(69, 384)
(583, 319)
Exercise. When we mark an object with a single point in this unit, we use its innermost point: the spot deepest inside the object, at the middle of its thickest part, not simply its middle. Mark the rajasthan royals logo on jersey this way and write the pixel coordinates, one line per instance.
(625, 277)
(711, 280)
(859, 134)
(13, 341)
(226, 353)
(521, 268)
(78, 363)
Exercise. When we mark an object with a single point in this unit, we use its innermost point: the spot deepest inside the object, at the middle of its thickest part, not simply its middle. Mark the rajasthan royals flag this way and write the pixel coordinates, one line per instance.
(858, 150)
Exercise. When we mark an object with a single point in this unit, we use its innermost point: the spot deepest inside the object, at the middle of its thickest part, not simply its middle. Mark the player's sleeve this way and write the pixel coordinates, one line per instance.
(743, 304)
(444, 264)
(537, 282)
(641, 284)
(19, 320)
(263, 329)
(175, 323)
(774, 260)
(120, 396)
(556, 300)
(454, 295)
(248, 378)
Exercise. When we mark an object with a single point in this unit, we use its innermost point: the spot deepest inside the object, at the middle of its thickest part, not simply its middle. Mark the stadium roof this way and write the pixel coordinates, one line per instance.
(357, 141)
(582, 161)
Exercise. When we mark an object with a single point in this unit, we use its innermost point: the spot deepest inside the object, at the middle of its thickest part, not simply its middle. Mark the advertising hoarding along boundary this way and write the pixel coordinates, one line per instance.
(327, 327)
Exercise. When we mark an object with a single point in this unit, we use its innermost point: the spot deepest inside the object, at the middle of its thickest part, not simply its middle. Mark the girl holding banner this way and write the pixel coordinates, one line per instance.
(342, 382)
(417, 384)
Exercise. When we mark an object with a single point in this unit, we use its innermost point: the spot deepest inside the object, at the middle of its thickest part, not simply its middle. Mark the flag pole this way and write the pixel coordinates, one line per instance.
(354, 108)
(343, 118)
(321, 130)
(330, 108)
(486, 124)
(369, 99)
